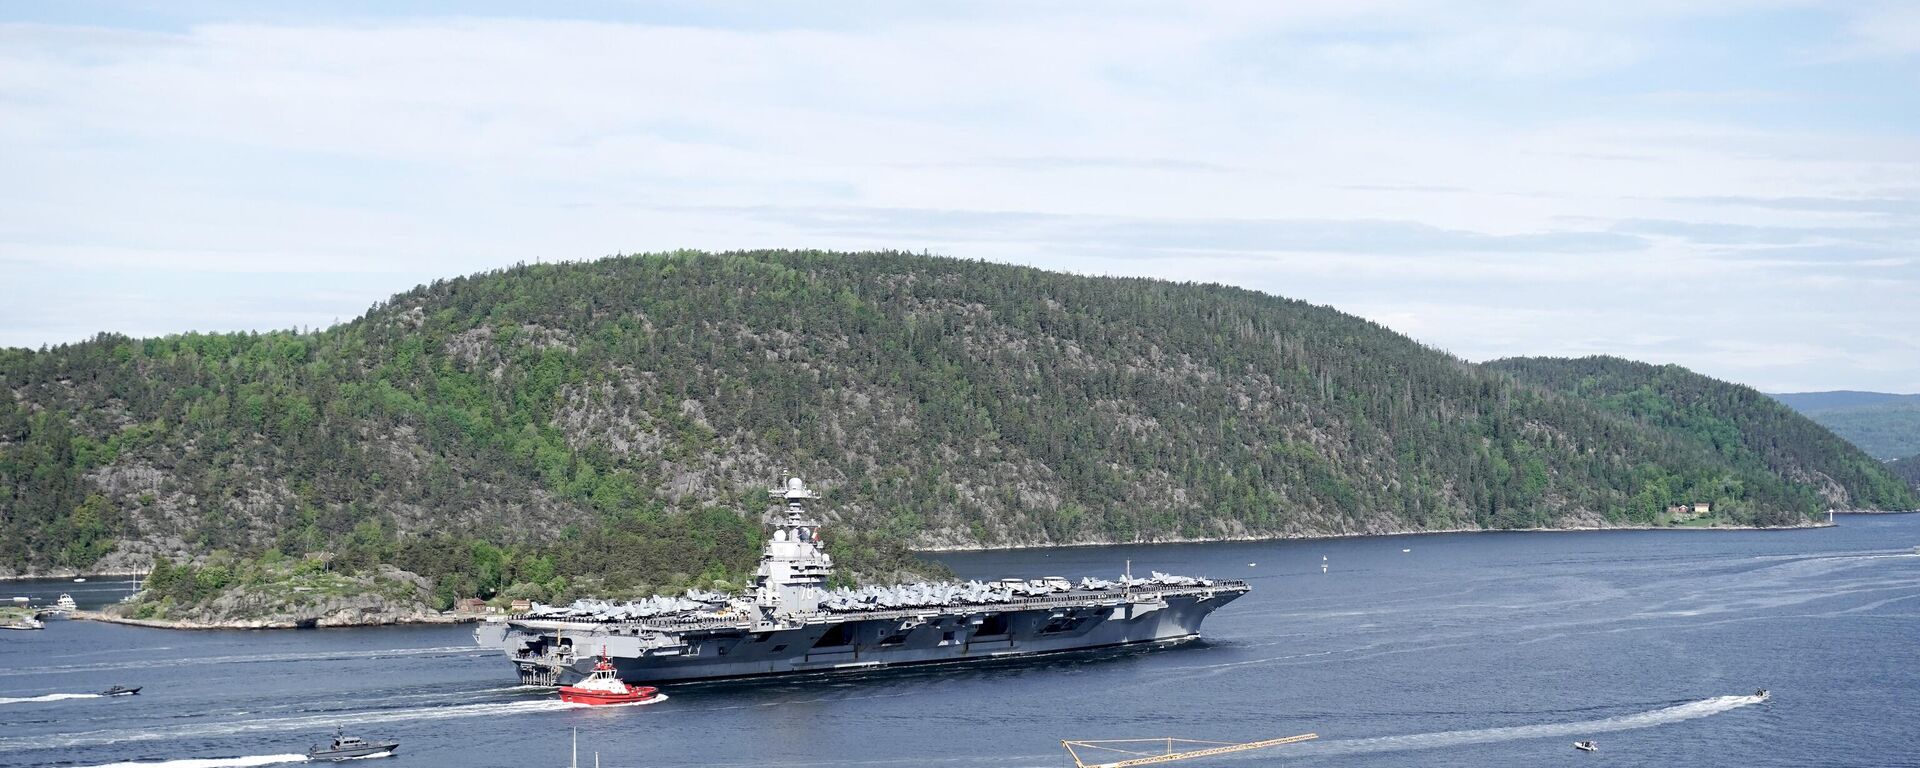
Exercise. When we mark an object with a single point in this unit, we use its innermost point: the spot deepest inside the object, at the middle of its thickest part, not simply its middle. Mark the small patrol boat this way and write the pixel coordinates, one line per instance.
(120, 690)
(1586, 746)
(604, 686)
(346, 747)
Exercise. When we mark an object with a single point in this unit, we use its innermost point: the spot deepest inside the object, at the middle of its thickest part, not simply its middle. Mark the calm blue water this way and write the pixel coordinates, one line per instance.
(1469, 650)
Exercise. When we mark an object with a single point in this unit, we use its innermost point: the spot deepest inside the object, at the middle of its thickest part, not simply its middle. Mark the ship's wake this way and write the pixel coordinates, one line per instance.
(338, 655)
(1672, 714)
(314, 723)
(48, 697)
(212, 762)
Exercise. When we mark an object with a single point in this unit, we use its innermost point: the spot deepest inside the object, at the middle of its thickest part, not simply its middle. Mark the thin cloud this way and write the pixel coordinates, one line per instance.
(1893, 206)
(1489, 178)
(1721, 233)
(1147, 234)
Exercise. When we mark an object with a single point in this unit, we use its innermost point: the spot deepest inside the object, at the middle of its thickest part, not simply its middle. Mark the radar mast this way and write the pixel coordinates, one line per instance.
(794, 567)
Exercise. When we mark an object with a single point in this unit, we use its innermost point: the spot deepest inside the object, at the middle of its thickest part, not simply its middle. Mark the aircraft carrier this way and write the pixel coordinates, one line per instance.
(790, 622)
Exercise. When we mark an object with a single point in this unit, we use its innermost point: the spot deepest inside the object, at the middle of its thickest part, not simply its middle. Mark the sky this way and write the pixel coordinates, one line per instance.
(1729, 186)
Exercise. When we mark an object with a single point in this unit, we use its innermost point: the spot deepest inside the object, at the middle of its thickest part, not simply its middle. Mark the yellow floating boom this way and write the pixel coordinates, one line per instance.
(1150, 758)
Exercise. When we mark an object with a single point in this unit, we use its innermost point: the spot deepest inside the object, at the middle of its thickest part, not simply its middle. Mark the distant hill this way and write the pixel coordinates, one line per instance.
(550, 429)
(1885, 425)
(1806, 402)
(1738, 423)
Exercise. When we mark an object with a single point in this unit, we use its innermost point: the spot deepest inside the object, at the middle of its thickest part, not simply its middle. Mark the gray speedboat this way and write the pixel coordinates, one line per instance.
(346, 747)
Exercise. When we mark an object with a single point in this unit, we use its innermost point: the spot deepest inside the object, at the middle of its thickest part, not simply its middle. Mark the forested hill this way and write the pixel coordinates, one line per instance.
(1751, 430)
(1886, 426)
(620, 420)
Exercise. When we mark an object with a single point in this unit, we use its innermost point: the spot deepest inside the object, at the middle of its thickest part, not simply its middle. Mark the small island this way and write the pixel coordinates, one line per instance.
(276, 593)
(16, 617)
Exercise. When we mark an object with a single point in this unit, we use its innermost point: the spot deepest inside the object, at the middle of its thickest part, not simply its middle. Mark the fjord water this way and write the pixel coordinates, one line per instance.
(1468, 650)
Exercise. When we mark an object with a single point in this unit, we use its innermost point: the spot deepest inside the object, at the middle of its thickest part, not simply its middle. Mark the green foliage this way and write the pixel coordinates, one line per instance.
(1767, 446)
(183, 584)
(179, 590)
(604, 426)
(1907, 469)
(1887, 430)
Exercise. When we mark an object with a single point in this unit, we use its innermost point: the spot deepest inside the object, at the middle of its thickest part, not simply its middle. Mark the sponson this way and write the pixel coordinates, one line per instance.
(791, 622)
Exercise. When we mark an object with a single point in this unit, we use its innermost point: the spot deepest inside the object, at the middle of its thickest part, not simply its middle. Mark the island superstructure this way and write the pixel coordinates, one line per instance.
(791, 622)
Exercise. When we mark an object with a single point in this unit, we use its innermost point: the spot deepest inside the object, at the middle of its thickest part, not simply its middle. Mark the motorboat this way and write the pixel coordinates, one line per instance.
(27, 622)
(604, 687)
(120, 690)
(1586, 746)
(1763, 694)
(346, 747)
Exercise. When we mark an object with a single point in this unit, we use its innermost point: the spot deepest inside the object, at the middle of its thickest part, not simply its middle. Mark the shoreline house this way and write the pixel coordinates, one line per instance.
(473, 605)
(1690, 511)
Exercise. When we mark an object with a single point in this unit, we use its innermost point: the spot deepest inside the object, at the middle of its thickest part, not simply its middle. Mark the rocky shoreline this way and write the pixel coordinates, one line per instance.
(242, 610)
(283, 594)
(1385, 534)
(281, 622)
(69, 573)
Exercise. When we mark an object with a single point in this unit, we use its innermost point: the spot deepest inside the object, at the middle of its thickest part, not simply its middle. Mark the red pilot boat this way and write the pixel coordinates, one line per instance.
(605, 687)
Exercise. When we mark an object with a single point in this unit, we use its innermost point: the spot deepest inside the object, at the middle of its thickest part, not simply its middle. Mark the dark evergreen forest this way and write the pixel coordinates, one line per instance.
(1907, 469)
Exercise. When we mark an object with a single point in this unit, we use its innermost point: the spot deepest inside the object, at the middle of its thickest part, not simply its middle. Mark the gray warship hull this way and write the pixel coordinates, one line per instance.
(550, 652)
(791, 623)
